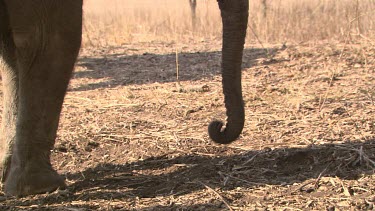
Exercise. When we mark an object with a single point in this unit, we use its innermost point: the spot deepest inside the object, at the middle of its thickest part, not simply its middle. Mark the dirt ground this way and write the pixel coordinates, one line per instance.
(133, 138)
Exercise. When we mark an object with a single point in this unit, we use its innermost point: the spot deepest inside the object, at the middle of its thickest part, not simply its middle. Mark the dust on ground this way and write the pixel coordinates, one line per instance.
(133, 138)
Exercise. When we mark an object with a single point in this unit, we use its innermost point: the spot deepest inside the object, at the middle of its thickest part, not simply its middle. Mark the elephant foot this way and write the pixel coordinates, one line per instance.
(34, 178)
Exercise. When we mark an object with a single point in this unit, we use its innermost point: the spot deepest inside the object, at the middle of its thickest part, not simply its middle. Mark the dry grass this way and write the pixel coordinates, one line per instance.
(130, 139)
(114, 22)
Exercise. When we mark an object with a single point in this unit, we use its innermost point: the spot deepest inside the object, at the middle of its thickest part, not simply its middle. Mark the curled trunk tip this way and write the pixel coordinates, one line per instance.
(225, 136)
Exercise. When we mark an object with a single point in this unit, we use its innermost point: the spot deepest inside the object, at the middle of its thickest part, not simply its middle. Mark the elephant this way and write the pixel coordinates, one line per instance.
(39, 44)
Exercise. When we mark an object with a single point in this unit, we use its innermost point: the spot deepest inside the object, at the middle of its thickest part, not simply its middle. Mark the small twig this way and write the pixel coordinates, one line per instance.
(260, 42)
(366, 158)
(289, 208)
(177, 66)
(177, 71)
(302, 186)
(345, 190)
(320, 176)
(251, 159)
(217, 194)
(361, 154)
(247, 162)
(316, 180)
(362, 189)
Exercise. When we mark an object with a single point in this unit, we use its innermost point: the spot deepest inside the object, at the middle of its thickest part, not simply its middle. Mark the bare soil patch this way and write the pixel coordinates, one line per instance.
(130, 138)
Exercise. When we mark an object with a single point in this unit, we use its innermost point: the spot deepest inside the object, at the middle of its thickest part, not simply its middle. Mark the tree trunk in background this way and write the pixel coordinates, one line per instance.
(264, 8)
(193, 8)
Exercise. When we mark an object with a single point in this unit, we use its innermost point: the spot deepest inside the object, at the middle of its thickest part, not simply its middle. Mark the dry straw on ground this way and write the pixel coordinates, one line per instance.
(130, 139)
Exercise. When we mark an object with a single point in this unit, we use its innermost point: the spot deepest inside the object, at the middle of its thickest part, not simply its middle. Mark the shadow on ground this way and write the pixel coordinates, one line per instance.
(175, 176)
(121, 70)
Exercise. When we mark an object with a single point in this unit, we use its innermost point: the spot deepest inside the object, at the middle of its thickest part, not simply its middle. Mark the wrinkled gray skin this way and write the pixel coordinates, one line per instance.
(39, 44)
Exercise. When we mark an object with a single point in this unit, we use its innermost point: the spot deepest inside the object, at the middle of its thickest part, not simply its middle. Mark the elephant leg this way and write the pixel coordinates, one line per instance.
(10, 91)
(47, 37)
(234, 15)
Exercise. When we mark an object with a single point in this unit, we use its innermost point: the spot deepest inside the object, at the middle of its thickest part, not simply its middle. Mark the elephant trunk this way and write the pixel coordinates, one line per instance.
(234, 15)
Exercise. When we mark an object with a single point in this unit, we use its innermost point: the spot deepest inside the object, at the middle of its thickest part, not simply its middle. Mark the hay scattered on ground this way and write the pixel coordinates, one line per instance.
(132, 139)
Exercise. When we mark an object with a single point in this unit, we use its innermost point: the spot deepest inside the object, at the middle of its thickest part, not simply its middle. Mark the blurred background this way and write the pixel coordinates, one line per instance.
(115, 22)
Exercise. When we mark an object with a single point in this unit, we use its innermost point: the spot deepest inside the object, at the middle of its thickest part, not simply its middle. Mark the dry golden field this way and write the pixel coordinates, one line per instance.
(132, 137)
(114, 22)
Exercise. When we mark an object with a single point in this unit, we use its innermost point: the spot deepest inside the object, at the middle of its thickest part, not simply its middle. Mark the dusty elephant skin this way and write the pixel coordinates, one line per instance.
(39, 44)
